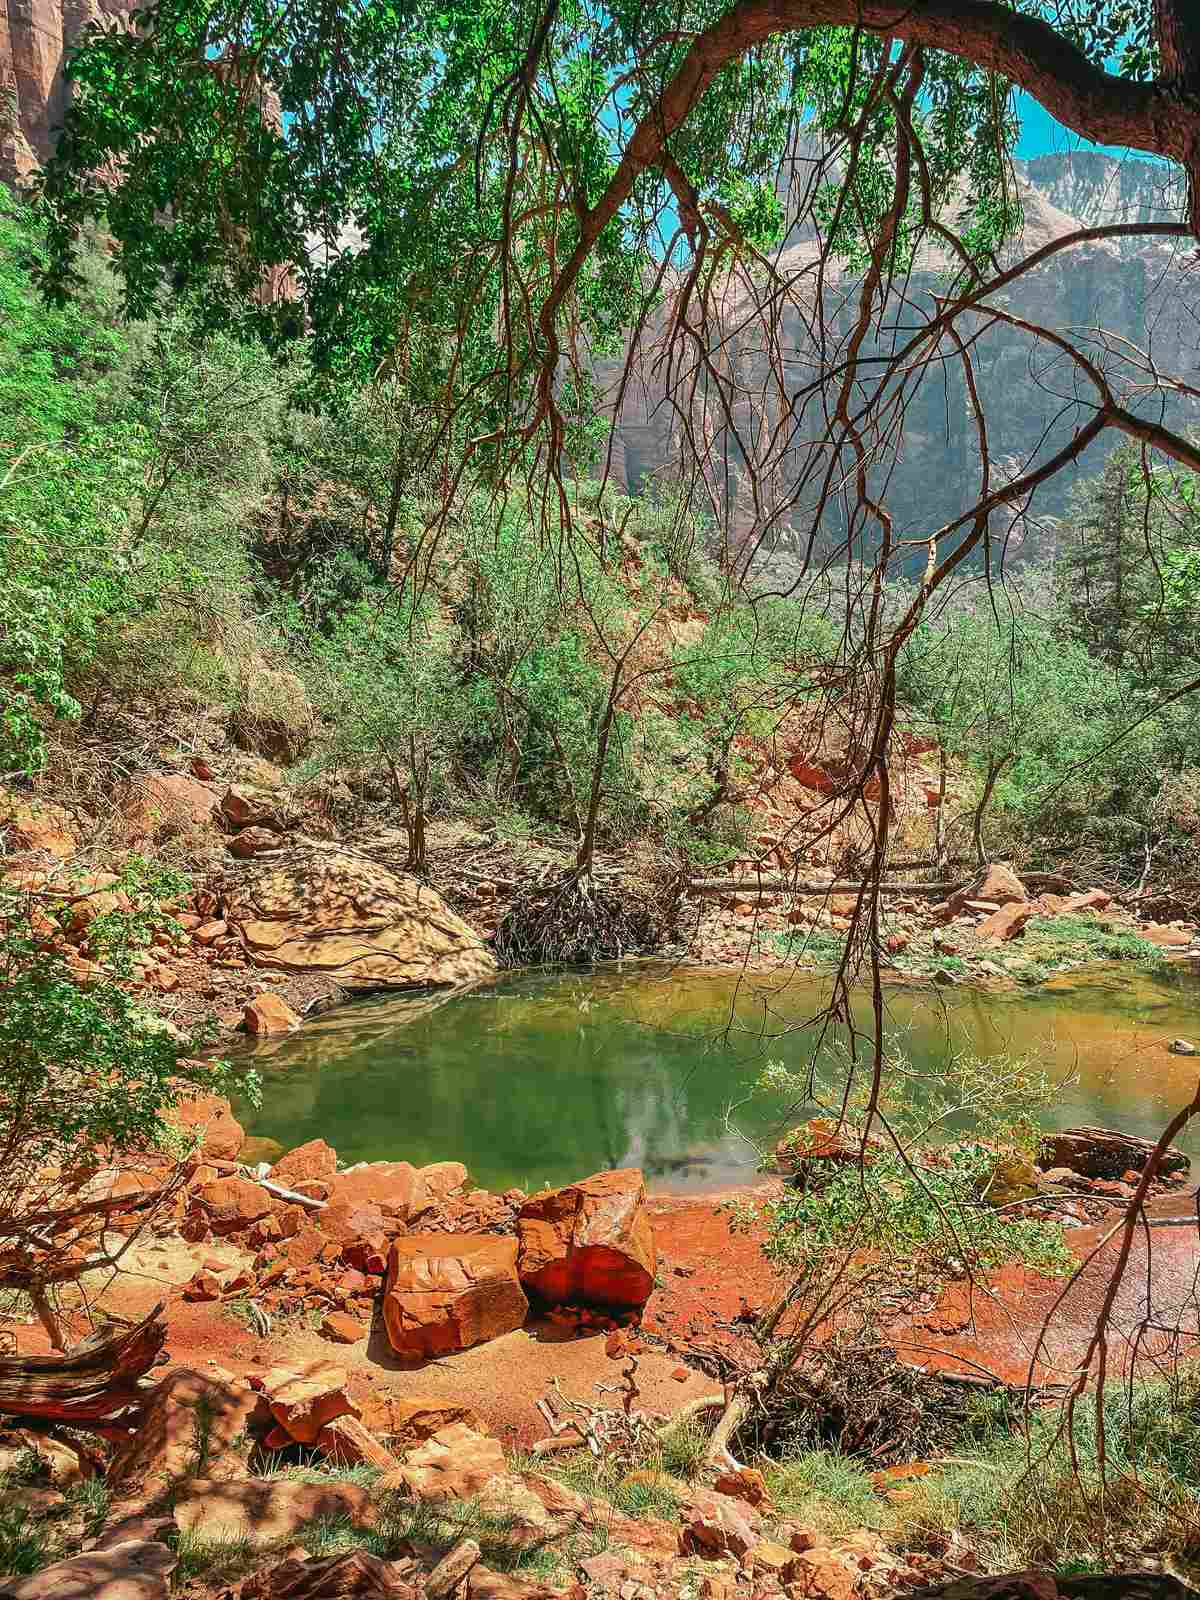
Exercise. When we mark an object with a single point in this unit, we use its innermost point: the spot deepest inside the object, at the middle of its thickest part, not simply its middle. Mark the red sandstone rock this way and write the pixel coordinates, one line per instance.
(304, 1399)
(820, 1143)
(591, 1241)
(356, 1576)
(747, 1484)
(392, 1186)
(408, 1420)
(1093, 900)
(267, 1510)
(316, 1159)
(447, 1292)
(442, 1178)
(254, 842)
(268, 1015)
(203, 1285)
(997, 882)
(343, 1329)
(163, 1450)
(715, 1525)
(27, 824)
(163, 804)
(348, 1441)
(211, 1118)
(454, 1464)
(1105, 1153)
(1006, 923)
(241, 809)
(231, 1204)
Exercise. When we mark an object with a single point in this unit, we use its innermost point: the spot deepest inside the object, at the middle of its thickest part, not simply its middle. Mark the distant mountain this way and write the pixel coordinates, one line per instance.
(1098, 189)
(1142, 290)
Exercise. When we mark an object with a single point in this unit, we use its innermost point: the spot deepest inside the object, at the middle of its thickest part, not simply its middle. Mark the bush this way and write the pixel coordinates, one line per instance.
(86, 1083)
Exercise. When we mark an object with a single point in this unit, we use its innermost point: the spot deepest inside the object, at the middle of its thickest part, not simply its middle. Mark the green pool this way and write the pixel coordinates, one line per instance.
(540, 1079)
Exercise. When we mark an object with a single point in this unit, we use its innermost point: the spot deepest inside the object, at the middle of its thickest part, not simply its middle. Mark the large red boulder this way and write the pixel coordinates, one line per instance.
(316, 1159)
(268, 1016)
(169, 1445)
(995, 884)
(231, 1204)
(162, 805)
(591, 1241)
(394, 1187)
(210, 1119)
(447, 1292)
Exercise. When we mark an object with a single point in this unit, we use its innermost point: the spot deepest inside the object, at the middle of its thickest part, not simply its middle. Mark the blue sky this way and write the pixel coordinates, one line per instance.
(1040, 134)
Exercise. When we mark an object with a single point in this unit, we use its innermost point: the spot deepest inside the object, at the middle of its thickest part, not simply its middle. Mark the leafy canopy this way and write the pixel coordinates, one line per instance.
(423, 169)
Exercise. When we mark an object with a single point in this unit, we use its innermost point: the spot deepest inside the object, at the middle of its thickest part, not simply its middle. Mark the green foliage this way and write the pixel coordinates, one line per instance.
(1044, 1499)
(83, 1071)
(126, 458)
(919, 1209)
(25, 1541)
(935, 1215)
(443, 158)
(1089, 938)
(384, 681)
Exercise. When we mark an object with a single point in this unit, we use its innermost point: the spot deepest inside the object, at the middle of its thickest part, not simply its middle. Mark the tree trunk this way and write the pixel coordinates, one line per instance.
(88, 1383)
(587, 842)
(939, 852)
(993, 778)
(1178, 35)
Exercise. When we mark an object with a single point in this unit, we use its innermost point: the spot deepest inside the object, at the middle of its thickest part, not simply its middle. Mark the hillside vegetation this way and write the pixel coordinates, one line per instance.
(197, 552)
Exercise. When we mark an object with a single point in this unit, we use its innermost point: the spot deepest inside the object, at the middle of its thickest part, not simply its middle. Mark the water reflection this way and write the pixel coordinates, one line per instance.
(541, 1079)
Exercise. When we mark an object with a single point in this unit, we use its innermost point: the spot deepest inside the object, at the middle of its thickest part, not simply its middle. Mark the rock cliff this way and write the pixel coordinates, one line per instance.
(1142, 289)
(35, 36)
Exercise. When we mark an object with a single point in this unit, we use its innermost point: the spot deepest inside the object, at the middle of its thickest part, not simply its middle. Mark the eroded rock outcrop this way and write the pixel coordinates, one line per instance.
(590, 1241)
(313, 909)
(447, 1292)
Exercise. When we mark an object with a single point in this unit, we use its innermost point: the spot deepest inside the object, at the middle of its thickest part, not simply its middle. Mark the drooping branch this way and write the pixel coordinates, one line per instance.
(1158, 118)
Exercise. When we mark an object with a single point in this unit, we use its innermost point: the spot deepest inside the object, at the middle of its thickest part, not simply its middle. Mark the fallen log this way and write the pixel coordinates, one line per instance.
(90, 1383)
(1032, 880)
(791, 886)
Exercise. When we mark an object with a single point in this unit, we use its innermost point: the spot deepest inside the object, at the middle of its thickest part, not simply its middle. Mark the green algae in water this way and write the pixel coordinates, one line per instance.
(542, 1079)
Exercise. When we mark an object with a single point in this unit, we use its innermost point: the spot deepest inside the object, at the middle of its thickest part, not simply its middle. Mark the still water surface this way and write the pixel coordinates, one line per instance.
(541, 1079)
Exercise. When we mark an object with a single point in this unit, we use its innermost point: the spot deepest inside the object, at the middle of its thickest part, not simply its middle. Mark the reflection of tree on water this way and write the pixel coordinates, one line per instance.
(546, 1079)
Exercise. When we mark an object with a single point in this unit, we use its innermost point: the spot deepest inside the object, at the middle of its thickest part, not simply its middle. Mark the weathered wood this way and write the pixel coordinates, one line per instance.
(91, 1382)
(791, 886)
(1105, 1153)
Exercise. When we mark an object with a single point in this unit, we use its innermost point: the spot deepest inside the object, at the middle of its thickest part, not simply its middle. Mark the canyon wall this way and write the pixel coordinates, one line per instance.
(35, 36)
(1142, 290)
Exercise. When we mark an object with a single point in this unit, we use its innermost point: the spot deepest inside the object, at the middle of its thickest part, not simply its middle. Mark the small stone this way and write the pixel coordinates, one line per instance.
(304, 1401)
(343, 1329)
(202, 1286)
(1182, 1047)
(268, 1015)
(452, 1569)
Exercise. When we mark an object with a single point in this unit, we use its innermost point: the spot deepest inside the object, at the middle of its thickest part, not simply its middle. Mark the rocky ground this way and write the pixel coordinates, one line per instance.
(379, 1381)
(370, 1372)
(287, 916)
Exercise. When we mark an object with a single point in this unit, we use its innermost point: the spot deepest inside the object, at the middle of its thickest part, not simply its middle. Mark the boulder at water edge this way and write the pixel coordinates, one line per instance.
(590, 1242)
(317, 909)
(446, 1292)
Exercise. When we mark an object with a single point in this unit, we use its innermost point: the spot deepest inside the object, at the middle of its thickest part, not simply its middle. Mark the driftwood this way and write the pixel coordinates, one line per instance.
(87, 1384)
(1032, 880)
(792, 886)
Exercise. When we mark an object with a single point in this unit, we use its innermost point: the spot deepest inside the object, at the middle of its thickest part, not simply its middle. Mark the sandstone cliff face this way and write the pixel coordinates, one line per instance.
(35, 36)
(1143, 290)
